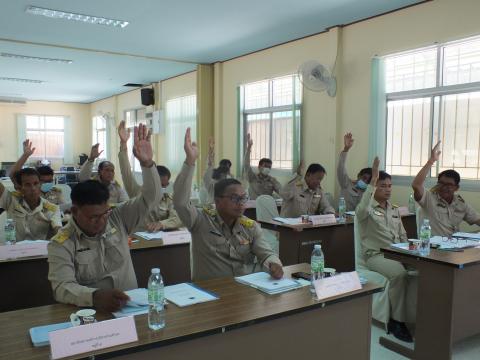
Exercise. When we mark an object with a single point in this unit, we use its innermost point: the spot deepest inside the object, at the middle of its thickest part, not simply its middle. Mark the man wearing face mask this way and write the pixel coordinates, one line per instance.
(445, 209)
(106, 175)
(163, 215)
(47, 189)
(89, 259)
(304, 196)
(351, 191)
(224, 242)
(261, 183)
(213, 175)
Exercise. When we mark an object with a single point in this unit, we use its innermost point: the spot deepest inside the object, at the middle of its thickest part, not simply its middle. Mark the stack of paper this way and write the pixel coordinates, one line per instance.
(264, 282)
(289, 221)
(186, 294)
(472, 236)
(454, 243)
(137, 305)
(150, 235)
(39, 334)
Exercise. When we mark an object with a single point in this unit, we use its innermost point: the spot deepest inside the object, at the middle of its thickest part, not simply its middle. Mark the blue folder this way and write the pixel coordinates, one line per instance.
(39, 334)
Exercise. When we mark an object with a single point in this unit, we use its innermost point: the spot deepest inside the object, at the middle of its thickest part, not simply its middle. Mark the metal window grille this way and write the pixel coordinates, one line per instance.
(47, 135)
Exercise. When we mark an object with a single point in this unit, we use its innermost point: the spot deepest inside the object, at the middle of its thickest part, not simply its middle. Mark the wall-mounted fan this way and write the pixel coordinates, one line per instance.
(317, 77)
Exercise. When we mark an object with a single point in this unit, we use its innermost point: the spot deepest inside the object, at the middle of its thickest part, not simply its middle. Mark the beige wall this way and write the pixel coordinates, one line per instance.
(79, 115)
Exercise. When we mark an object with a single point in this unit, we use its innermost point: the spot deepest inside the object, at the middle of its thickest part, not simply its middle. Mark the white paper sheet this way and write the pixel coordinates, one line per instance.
(185, 294)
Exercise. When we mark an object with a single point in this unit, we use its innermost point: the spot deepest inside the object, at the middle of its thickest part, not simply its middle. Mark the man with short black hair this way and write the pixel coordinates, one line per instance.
(380, 225)
(89, 258)
(224, 242)
(162, 216)
(445, 209)
(35, 218)
(351, 190)
(262, 183)
(304, 196)
(106, 175)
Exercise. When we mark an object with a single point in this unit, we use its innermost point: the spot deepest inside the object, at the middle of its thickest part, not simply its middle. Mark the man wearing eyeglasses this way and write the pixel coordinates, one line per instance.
(445, 209)
(224, 242)
(89, 258)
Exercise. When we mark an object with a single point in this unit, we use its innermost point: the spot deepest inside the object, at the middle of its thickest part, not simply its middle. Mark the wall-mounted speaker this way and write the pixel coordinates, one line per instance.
(148, 96)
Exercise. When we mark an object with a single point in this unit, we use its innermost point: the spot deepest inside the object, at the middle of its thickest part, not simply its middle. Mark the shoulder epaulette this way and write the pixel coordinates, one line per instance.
(394, 206)
(61, 236)
(56, 189)
(49, 206)
(460, 199)
(17, 194)
(299, 183)
(210, 212)
(247, 222)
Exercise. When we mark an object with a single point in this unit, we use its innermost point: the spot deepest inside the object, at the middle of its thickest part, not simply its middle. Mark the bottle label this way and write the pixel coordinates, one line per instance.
(317, 266)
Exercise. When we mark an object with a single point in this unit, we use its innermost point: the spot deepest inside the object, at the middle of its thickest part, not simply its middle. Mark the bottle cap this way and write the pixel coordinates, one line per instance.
(155, 271)
(318, 246)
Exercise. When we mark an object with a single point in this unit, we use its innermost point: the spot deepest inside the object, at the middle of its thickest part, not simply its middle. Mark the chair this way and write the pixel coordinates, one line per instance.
(381, 301)
(266, 210)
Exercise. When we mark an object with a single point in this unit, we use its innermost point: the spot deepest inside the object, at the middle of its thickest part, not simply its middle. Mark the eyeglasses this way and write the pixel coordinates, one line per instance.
(96, 218)
(238, 200)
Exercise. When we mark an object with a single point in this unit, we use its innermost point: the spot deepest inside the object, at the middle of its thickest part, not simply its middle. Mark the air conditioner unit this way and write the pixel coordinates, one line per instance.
(156, 121)
(12, 101)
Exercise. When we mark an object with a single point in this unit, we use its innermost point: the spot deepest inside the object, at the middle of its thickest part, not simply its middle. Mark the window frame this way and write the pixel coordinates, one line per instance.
(131, 158)
(35, 156)
(106, 153)
(295, 107)
(438, 91)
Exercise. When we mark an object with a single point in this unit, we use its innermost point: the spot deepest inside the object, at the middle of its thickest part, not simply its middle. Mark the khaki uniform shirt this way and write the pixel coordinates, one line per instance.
(445, 218)
(117, 193)
(378, 227)
(216, 250)
(80, 264)
(259, 184)
(55, 196)
(299, 199)
(40, 223)
(163, 213)
(349, 191)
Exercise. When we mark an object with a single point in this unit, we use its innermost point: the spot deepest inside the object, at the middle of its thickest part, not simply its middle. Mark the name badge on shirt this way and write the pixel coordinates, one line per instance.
(317, 196)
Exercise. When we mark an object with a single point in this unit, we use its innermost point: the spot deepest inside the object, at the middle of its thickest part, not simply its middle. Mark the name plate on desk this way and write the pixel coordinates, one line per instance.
(23, 250)
(176, 237)
(337, 285)
(86, 338)
(323, 219)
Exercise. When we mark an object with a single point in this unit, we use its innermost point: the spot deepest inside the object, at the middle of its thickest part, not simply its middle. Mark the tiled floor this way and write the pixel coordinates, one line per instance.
(468, 349)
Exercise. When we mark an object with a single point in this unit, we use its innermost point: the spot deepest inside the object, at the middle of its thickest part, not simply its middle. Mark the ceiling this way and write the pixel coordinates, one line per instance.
(166, 39)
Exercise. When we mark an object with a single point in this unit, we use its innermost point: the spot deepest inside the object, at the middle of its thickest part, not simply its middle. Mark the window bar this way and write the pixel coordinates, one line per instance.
(466, 133)
(411, 142)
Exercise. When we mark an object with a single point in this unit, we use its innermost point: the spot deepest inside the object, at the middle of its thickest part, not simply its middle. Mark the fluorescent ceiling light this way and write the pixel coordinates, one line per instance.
(35, 58)
(30, 81)
(57, 14)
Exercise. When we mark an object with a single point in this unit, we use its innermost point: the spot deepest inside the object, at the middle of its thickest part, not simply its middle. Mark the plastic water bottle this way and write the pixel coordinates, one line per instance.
(411, 204)
(425, 235)
(317, 264)
(10, 233)
(342, 207)
(156, 310)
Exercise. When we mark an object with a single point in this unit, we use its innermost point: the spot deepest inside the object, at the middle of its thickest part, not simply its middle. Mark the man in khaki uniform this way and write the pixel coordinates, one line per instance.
(380, 225)
(48, 191)
(351, 191)
(35, 218)
(106, 175)
(261, 183)
(213, 175)
(445, 209)
(89, 259)
(161, 217)
(224, 242)
(304, 196)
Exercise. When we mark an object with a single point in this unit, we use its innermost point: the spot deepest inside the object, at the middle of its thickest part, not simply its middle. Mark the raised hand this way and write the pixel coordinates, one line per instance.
(94, 153)
(375, 171)
(142, 146)
(347, 141)
(211, 151)
(435, 154)
(191, 149)
(249, 142)
(28, 150)
(123, 132)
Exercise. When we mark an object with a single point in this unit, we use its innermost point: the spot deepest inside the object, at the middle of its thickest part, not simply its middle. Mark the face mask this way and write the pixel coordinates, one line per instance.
(265, 171)
(46, 187)
(362, 185)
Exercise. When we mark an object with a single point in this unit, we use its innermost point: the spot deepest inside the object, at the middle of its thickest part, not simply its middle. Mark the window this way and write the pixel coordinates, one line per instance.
(99, 135)
(433, 94)
(47, 136)
(271, 115)
(181, 113)
(133, 118)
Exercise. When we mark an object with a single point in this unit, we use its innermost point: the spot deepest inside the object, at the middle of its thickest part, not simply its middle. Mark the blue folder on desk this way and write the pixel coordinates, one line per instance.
(39, 334)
